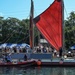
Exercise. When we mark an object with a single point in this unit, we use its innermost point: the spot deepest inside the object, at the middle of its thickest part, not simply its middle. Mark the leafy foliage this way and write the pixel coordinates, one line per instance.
(70, 30)
(13, 30)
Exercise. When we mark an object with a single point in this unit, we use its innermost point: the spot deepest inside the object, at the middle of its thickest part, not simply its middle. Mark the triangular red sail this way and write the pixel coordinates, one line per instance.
(49, 24)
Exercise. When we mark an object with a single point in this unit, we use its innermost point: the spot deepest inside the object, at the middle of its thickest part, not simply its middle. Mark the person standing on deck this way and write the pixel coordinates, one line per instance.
(60, 52)
(25, 57)
(8, 58)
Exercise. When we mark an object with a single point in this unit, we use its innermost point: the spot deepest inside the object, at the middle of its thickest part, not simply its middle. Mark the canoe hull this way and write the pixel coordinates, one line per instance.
(25, 63)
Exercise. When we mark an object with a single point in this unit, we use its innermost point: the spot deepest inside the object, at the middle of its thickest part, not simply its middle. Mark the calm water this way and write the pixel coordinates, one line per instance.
(38, 71)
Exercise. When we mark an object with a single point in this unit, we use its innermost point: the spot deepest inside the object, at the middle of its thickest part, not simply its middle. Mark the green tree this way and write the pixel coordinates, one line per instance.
(1, 23)
(70, 30)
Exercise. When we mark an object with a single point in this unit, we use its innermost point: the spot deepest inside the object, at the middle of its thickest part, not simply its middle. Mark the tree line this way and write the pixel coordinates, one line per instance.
(13, 30)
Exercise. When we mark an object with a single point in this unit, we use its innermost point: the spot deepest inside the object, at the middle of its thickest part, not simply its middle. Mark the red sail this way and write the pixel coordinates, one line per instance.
(49, 24)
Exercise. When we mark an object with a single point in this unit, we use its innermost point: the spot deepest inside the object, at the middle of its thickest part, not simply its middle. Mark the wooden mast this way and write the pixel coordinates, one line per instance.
(31, 26)
(61, 50)
(63, 25)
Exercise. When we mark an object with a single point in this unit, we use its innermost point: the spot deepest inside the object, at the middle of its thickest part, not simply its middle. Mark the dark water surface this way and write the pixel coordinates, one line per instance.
(37, 71)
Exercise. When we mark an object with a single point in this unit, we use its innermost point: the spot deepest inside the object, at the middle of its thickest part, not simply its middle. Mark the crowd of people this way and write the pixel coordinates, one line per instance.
(7, 52)
(14, 50)
(38, 49)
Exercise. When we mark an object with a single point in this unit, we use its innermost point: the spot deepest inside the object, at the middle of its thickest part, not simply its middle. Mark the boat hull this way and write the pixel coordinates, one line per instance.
(25, 64)
(58, 63)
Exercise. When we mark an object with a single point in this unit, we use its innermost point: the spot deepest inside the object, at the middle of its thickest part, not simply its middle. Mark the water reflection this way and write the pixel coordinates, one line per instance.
(37, 71)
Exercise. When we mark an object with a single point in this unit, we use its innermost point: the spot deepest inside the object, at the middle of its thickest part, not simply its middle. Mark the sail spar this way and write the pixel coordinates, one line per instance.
(49, 23)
